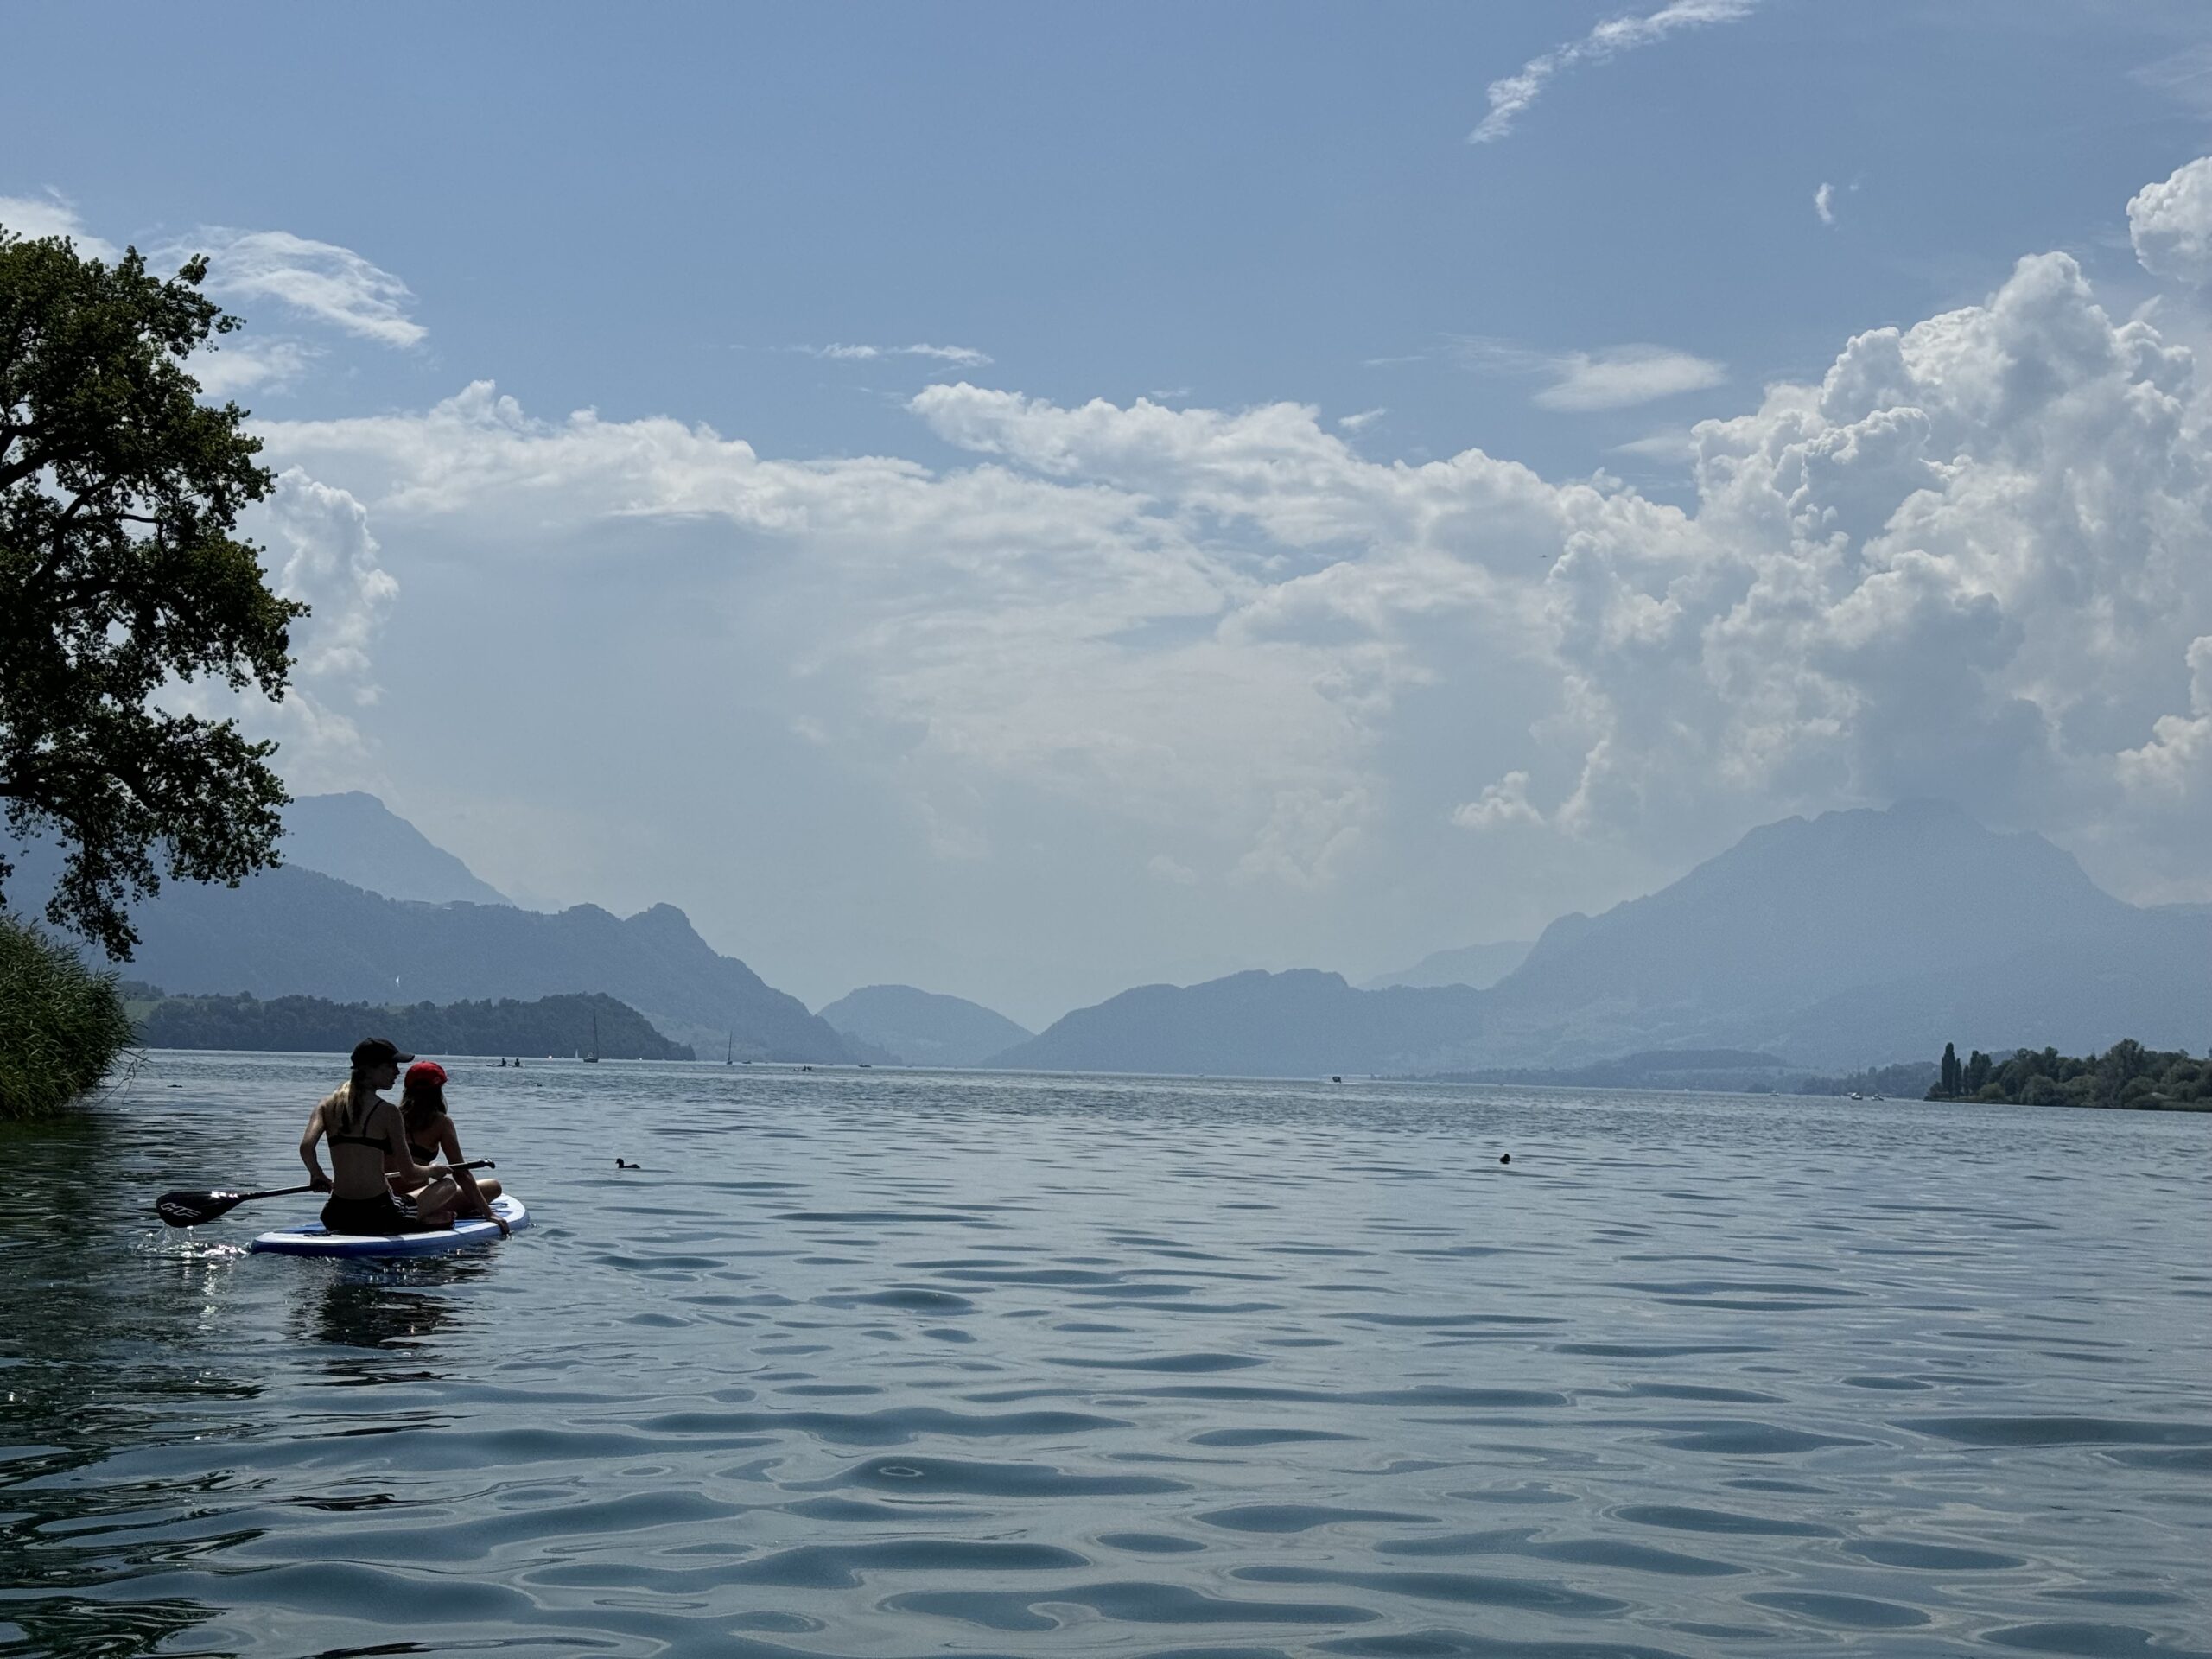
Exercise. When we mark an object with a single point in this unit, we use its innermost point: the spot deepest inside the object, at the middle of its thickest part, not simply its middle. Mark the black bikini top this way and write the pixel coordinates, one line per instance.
(381, 1142)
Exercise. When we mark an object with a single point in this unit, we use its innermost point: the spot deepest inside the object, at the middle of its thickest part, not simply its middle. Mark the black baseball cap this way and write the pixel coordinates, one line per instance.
(378, 1051)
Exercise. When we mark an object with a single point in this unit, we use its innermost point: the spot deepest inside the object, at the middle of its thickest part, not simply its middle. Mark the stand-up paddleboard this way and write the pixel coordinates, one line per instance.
(314, 1240)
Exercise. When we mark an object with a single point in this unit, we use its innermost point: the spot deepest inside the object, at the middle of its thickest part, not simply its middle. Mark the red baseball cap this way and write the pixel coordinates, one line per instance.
(427, 1072)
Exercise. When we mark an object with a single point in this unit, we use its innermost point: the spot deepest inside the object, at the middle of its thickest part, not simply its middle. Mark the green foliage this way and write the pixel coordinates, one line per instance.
(309, 1025)
(2126, 1075)
(1979, 1066)
(119, 575)
(61, 1025)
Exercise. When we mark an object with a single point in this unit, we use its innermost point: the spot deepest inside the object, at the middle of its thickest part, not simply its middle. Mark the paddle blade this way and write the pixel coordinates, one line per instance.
(190, 1209)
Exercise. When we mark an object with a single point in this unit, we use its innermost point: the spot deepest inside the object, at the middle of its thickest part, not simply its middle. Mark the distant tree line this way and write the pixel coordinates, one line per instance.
(1906, 1080)
(2126, 1075)
(310, 1025)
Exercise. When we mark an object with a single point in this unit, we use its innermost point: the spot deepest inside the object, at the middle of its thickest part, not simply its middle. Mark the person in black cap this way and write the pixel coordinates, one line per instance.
(368, 1143)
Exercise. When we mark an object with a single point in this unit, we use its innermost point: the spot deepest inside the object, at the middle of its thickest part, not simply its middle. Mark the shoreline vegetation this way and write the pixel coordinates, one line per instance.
(1716, 1070)
(61, 1025)
(2126, 1077)
(308, 1025)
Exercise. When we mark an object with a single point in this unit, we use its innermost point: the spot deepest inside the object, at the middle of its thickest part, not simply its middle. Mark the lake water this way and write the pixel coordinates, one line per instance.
(873, 1363)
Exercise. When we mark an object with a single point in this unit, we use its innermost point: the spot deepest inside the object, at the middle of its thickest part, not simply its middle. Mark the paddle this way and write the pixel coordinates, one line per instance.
(190, 1209)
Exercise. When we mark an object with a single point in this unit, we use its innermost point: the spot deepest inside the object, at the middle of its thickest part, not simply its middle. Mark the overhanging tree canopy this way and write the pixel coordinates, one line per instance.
(120, 576)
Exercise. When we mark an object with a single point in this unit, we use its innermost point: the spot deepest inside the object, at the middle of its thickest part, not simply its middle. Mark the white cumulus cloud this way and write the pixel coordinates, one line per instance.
(1824, 202)
(239, 363)
(1972, 559)
(2177, 761)
(2171, 224)
(52, 214)
(1505, 801)
(320, 551)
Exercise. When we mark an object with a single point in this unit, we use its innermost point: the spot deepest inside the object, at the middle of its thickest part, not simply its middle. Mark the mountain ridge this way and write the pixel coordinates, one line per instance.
(917, 1028)
(356, 839)
(1477, 966)
(1855, 937)
(294, 931)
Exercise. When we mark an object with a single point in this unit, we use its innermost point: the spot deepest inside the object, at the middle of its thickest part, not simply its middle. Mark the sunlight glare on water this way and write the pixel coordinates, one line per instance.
(901, 1364)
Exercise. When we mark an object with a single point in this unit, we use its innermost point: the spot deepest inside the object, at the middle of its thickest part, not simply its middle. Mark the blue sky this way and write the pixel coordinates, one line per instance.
(1250, 202)
(672, 215)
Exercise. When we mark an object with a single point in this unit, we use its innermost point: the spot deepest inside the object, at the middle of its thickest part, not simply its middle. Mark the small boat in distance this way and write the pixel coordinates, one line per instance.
(592, 1058)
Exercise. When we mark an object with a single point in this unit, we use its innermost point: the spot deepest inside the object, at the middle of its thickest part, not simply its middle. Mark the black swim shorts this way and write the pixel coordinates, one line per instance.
(376, 1217)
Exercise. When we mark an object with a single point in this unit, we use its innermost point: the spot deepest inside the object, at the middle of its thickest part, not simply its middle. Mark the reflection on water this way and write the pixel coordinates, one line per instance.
(363, 1305)
(879, 1364)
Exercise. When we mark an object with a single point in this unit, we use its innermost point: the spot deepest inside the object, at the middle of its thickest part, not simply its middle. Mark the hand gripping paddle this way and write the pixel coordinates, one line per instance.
(190, 1209)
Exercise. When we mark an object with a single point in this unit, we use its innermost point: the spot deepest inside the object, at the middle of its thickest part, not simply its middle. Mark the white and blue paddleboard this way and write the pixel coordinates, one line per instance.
(315, 1239)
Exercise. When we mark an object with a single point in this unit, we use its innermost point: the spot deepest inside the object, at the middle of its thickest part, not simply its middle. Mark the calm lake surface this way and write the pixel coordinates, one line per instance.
(876, 1362)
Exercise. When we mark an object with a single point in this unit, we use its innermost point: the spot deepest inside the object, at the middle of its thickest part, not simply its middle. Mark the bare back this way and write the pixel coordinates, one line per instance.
(361, 1153)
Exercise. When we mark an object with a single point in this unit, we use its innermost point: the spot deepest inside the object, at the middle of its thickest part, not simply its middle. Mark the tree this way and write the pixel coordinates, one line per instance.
(120, 577)
(1979, 1066)
(1949, 1081)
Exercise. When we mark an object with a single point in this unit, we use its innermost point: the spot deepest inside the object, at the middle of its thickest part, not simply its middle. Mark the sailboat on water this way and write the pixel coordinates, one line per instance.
(729, 1050)
(592, 1058)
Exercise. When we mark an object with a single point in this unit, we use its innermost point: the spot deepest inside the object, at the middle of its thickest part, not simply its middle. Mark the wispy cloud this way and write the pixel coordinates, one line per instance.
(2185, 77)
(1672, 443)
(1510, 97)
(1625, 376)
(1824, 202)
(966, 356)
(1615, 376)
(318, 280)
(1359, 422)
(52, 214)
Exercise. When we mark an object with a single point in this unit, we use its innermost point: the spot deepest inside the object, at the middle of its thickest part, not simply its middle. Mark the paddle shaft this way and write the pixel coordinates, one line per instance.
(190, 1209)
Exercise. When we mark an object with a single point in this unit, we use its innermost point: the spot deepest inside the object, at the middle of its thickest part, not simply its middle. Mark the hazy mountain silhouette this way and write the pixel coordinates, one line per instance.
(917, 1028)
(1478, 965)
(356, 838)
(293, 932)
(1854, 938)
(2151, 981)
(1296, 1023)
(1834, 940)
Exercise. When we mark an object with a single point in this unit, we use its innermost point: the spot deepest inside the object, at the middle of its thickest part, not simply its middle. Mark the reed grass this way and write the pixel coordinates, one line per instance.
(61, 1025)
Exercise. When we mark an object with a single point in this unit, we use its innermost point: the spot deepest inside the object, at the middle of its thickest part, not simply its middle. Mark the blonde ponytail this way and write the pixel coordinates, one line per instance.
(351, 1110)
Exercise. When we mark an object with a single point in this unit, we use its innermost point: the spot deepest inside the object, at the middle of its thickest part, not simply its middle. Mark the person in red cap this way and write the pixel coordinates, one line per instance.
(429, 1132)
(368, 1139)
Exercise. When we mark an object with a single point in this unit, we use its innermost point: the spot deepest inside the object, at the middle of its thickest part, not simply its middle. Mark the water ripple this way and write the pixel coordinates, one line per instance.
(900, 1363)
